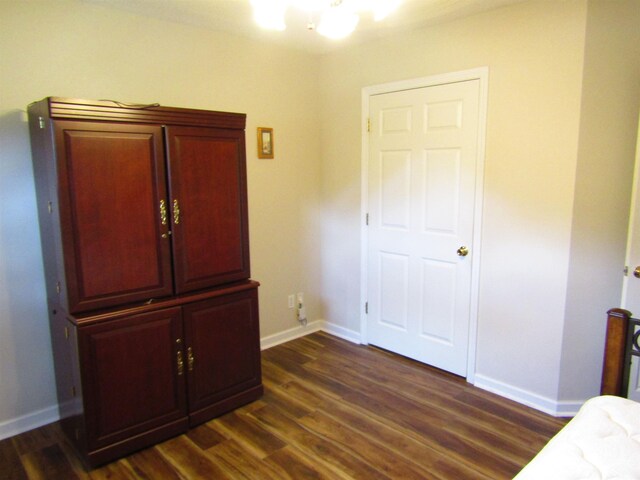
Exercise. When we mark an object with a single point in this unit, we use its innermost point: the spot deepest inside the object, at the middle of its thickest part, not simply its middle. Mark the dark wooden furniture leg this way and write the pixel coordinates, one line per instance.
(613, 370)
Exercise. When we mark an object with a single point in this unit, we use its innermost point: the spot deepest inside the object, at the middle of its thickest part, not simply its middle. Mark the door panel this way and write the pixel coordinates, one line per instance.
(395, 182)
(112, 178)
(223, 335)
(422, 173)
(126, 393)
(394, 270)
(438, 296)
(207, 180)
(442, 194)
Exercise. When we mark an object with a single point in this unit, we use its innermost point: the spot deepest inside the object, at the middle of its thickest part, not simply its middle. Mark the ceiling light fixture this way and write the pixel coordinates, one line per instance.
(338, 18)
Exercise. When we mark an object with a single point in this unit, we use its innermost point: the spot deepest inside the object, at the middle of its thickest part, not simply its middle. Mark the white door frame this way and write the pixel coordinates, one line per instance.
(481, 74)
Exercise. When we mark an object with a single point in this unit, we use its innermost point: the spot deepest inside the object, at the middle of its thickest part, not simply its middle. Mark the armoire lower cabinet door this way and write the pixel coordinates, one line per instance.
(133, 377)
(223, 354)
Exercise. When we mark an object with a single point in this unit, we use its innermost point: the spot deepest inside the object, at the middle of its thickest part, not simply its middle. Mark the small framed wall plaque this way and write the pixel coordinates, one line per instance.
(265, 142)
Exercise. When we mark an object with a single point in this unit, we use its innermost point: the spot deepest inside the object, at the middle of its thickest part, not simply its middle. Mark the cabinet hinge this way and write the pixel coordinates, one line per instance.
(367, 219)
(66, 333)
(366, 307)
(41, 122)
(368, 124)
(50, 207)
(73, 391)
(58, 287)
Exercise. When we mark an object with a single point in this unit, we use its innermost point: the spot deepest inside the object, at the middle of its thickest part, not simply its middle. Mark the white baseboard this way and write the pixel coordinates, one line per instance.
(29, 422)
(311, 327)
(533, 400)
(568, 409)
(291, 334)
(341, 332)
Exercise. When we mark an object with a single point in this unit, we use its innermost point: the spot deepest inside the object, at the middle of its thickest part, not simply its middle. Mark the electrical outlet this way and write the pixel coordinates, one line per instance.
(292, 300)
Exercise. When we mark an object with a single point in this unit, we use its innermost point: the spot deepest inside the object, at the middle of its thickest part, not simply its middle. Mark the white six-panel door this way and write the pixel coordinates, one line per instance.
(423, 149)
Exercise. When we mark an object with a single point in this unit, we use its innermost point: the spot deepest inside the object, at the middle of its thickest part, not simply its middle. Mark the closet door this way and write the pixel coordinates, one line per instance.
(111, 182)
(208, 197)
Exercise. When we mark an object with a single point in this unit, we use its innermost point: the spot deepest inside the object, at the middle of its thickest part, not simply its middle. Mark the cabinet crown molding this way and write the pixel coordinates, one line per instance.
(115, 111)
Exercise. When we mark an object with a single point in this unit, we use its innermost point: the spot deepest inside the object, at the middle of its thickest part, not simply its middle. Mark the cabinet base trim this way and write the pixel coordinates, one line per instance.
(126, 447)
(226, 405)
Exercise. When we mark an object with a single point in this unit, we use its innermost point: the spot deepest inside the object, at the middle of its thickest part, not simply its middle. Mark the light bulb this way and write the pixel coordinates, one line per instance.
(338, 17)
(269, 14)
(337, 22)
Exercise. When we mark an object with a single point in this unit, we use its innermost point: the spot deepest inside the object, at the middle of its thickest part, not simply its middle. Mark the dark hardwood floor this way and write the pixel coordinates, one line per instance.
(331, 410)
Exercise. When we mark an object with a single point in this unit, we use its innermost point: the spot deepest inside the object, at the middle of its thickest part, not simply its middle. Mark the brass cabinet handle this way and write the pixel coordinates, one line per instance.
(180, 363)
(636, 272)
(163, 212)
(176, 212)
(179, 358)
(190, 359)
(463, 251)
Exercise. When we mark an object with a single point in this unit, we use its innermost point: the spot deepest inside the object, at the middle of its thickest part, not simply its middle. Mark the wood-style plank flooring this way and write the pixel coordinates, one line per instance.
(331, 410)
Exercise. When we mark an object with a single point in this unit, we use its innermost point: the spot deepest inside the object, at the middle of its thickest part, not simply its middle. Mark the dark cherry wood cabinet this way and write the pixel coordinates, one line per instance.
(143, 219)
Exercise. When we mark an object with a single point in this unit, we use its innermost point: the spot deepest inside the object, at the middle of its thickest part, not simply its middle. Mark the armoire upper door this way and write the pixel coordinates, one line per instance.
(111, 181)
(208, 199)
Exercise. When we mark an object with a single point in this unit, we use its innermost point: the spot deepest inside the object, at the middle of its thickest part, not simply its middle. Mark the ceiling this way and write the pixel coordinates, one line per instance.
(235, 16)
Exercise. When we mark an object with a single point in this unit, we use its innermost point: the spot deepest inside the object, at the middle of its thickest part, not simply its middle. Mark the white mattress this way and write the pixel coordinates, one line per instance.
(601, 442)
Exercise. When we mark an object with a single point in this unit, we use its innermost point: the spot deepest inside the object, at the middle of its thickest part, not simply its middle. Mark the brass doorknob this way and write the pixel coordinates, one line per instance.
(636, 272)
(464, 251)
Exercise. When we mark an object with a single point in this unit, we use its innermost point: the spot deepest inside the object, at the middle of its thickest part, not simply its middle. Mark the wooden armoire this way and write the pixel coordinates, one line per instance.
(154, 317)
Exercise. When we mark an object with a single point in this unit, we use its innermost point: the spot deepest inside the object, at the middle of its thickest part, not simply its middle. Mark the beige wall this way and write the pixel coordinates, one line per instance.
(608, 127)
(535, 55)
(71, 48)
